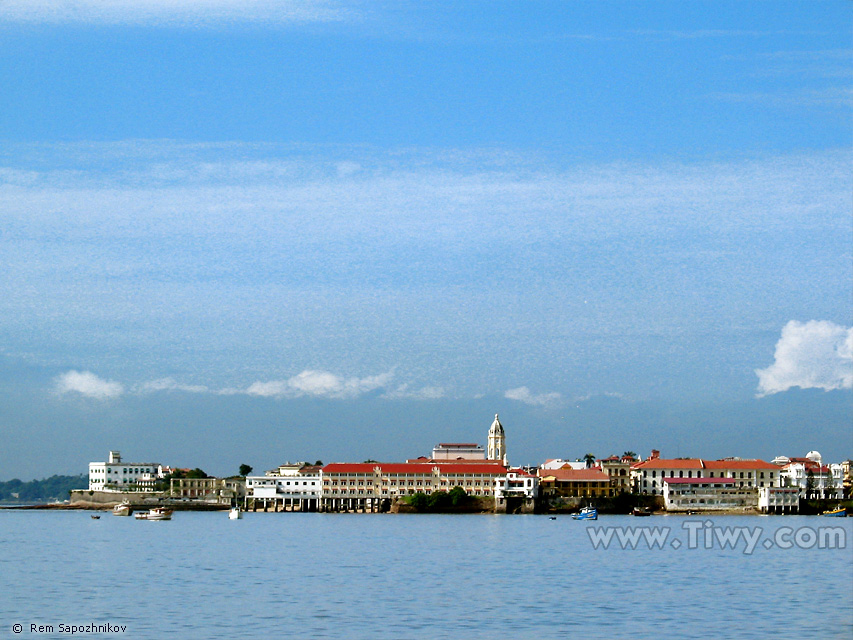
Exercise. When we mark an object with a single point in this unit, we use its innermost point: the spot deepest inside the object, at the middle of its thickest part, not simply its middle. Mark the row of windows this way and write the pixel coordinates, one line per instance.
(125, 470)
(699, 474)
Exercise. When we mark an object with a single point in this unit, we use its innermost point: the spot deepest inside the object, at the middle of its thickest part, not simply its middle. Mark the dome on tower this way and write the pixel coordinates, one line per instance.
(497, 427)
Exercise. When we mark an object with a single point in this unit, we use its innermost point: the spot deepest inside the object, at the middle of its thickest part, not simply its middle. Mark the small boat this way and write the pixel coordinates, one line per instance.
(122, 509)
(235, 514)
(840, 512)
(587, 513)
(641, 511)
(95, 517)
(552, 518)
(157, 513)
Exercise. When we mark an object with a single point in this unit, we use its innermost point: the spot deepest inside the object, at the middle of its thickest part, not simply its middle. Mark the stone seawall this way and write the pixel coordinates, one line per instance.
(83, 498)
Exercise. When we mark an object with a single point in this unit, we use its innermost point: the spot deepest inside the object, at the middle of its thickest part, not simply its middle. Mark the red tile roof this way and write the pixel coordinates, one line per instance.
(739, 464)
(669, 463)
(575, 475)
(487, 467)
(699, 463)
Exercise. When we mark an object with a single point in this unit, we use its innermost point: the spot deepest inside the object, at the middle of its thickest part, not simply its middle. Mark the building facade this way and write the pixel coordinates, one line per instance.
(364, 486)
(116, 475)
(647, 477)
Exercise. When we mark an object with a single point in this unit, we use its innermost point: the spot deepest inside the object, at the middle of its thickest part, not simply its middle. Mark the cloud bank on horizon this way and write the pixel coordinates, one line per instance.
(810, 355)
(172, 13)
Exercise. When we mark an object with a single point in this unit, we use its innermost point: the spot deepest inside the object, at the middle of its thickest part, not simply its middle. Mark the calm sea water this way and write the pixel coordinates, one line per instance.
(415, 576)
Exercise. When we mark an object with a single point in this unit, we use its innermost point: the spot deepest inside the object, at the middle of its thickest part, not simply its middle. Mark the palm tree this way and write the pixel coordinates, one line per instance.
(589, 458)
(629, 454)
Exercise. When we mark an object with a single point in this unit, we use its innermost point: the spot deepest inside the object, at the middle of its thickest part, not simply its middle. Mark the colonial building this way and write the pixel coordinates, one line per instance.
(647, 476)
(618, 469)
(212, 490)
(364, 486)
(116, 475)
(814, 479)
(708, 494)
(574, 483)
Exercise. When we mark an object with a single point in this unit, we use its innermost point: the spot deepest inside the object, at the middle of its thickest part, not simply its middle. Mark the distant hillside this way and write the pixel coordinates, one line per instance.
(47, 490)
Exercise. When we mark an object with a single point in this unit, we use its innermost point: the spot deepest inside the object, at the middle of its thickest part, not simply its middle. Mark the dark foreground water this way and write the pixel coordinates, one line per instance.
(421, 576)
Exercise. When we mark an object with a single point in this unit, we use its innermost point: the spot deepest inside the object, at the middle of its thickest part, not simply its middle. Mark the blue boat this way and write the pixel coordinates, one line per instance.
(840, 512)
(587, 513)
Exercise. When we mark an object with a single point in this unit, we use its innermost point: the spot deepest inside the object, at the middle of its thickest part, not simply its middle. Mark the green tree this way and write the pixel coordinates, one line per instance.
(438, 500)
(245, 470)
(318, 463)
(418, 500)
(630, 454)
(196, 474)
(810, 484)
(457, 496)
(589, 459)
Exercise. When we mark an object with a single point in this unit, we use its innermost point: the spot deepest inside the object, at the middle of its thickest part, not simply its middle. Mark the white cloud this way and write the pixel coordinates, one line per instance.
(170, 384)
(185, 13)
(405, 392)
(88, 384)
(811, 355)
(321, 384)
(523, 394)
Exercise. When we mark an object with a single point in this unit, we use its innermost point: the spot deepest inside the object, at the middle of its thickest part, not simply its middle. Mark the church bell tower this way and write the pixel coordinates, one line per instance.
(497, 441)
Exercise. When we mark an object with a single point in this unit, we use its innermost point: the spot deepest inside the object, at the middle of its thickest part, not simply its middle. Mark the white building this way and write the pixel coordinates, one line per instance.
(116, 475)
(778, 499)
(648, 476)
(827, 479)
(291, 486)
(708, 494)
(458, 451)
(517, 483)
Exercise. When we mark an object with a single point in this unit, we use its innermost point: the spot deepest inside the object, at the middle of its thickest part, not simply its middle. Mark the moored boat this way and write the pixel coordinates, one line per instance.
(122, 509)
(235, 514)
(157, 513)
(840, 512)
(587, 513)
(641, 511)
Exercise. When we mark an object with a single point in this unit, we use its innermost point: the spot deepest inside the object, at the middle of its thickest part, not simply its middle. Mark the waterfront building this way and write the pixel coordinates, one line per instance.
(574, 483)
(778, 499)
(847, 475)
(364, 486)
(211, 490)
(708, 494)
(618, 469)
(517, 483)
(290, 487)
(116, 475)
(814, 479)
(648, 475)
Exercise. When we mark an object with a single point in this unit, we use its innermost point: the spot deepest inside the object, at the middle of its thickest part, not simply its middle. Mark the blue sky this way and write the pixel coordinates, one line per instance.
(263, 231)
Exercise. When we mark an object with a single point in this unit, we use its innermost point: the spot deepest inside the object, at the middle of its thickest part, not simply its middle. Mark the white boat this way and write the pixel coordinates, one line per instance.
(235, 514)
(157, 513)
(122, 509)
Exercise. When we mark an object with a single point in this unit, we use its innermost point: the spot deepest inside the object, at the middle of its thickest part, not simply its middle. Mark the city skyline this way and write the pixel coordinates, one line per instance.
(347, 230)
